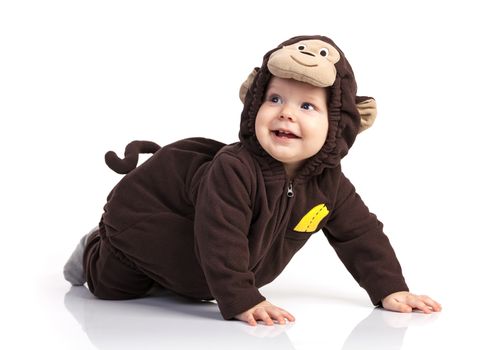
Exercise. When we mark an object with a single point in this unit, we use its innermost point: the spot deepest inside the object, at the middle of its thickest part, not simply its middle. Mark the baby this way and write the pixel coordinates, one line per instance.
(212, 221)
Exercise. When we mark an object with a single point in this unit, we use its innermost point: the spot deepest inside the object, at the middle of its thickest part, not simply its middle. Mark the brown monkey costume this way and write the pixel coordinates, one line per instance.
(213, 221)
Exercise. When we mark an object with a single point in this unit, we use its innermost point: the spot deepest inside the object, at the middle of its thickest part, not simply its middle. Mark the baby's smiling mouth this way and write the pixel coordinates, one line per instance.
(285, 134)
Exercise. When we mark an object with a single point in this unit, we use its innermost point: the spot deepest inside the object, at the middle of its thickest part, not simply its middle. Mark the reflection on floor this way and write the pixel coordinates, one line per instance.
(164, 320)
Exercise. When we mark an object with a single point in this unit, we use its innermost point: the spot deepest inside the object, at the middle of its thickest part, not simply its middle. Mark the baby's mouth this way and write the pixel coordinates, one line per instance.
(285, 134)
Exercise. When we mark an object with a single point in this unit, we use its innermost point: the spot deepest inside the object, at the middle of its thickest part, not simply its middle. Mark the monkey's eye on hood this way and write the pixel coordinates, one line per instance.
(315, 48)
(324, 52)
(301, 47)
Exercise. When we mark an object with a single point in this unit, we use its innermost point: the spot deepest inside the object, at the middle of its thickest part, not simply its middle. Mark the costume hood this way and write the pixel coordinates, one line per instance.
(316, 60)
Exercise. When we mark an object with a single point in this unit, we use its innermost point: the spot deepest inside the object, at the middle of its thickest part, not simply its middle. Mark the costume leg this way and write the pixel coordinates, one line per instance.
(109, 273)
(73, 269)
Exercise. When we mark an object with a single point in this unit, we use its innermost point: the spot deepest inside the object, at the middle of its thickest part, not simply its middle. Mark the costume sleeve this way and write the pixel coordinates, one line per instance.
(222, 220)
(358, 239)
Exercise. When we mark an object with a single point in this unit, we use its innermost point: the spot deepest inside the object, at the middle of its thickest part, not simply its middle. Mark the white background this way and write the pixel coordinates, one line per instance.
(79, 78)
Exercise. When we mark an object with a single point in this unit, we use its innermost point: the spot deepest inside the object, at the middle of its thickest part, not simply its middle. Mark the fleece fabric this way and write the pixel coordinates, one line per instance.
(213, 221)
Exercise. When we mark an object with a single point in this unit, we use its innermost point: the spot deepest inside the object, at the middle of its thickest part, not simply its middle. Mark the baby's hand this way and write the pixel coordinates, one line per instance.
(406, 302)
(265, 312)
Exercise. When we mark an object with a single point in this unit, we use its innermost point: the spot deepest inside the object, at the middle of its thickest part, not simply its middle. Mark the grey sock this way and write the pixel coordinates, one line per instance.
(73, 269)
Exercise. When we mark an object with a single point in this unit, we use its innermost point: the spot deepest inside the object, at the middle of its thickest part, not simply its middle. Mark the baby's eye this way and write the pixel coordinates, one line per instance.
(307, 106)
(275, 99)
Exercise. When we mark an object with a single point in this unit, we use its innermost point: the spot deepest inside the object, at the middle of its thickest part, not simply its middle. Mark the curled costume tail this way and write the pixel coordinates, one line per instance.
(132, 151)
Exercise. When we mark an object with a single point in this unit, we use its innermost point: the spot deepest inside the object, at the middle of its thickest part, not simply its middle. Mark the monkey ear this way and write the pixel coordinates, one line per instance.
(247, 83)
(367, 108)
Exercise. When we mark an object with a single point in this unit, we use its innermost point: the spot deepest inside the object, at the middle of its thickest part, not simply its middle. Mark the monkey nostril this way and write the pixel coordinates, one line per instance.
(308, 53)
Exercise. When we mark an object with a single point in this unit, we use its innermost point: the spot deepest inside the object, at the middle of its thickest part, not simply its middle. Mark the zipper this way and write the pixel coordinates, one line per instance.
(290, 192)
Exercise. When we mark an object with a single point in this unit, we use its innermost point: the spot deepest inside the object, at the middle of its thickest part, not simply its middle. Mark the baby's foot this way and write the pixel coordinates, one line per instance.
(73, 269)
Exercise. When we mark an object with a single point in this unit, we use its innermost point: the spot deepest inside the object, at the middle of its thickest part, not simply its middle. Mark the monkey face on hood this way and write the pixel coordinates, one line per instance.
(318, 61)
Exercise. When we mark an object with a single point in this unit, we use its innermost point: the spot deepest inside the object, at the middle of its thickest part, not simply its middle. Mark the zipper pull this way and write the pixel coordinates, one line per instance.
(290, 192)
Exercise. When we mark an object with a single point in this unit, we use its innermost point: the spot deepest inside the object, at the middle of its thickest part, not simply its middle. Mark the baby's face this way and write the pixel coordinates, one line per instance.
(292, 122)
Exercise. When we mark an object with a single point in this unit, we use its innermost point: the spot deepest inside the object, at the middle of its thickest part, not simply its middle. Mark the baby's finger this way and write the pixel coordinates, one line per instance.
(393, 304)
(251, 320)
(261, 314)
(287, 315)
(417, 303)
(430, 302)
(278, 315)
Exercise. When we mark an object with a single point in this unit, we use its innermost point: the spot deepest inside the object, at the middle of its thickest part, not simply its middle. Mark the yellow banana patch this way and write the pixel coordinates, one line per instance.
(310, 221)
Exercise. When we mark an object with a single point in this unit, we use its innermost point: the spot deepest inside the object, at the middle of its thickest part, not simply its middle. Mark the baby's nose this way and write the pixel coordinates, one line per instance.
(287, 113)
